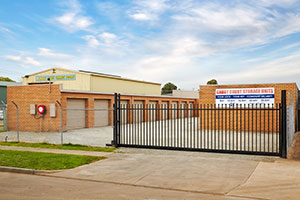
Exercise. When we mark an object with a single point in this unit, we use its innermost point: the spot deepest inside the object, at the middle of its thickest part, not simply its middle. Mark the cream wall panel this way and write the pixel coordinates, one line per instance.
(105, 84)
(82, 82)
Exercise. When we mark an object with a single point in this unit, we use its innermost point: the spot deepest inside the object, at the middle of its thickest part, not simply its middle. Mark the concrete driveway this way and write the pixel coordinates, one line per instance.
(217, 174)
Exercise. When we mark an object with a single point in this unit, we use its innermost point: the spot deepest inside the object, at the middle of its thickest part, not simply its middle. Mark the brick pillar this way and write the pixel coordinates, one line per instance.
(90, 112)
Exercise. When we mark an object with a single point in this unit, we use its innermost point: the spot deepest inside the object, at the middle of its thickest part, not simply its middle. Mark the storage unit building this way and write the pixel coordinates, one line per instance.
(92, 81)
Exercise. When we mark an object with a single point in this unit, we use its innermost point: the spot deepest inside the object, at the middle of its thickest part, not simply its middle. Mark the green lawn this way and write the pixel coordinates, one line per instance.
(53, 146)
(43, 161)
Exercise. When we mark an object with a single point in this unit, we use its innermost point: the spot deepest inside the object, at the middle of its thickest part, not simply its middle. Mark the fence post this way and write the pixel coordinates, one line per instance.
(283, 142)
(17, 109)
(4, 116)
(119, 118)
(114, 142)
(61, 123)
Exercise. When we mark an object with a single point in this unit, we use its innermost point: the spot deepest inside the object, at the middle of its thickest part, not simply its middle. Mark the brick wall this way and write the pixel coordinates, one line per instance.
(263, 120)
(23, 96)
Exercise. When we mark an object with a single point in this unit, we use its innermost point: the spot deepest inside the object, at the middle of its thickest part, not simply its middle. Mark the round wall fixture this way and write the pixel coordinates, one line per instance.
(41, 109)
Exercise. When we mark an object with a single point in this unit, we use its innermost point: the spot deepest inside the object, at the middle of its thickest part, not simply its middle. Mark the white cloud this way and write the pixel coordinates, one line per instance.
(236, 25)
(48, 53)
(22, 60)
(91, 40)
(73, 20)
(108, 37)
(148, 10)
(140, 16)
(5, 30)
(284, 68)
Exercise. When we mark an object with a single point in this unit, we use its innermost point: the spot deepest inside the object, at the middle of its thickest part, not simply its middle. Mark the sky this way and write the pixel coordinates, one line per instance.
(184, 42)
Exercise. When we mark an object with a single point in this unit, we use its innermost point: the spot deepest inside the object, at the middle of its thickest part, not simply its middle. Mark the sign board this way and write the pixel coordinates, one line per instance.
(244, 97)
(57, 77)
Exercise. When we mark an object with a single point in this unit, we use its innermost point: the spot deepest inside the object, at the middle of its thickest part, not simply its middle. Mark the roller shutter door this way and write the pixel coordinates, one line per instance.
(101, 116)
(184, 110)
(76, 117)
(152, 111)
(124, 117)
(164, 112)
(191, 109)
(174, 111)
(138, 114)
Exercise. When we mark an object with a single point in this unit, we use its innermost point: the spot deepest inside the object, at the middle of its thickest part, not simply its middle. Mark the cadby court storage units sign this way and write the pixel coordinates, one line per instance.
(245, 96)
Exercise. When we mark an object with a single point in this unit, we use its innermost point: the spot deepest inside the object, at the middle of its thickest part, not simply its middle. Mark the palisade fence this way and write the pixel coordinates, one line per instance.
(77, 125)
(249, 129)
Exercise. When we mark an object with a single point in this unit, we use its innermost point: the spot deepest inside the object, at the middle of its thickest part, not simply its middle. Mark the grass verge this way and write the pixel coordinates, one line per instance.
(53, 146)
(43, 161)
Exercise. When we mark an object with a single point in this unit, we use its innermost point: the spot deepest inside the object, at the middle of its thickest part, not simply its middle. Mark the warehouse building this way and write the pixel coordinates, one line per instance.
(91, 81)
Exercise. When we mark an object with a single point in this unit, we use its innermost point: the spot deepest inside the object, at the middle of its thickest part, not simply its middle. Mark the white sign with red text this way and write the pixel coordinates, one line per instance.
(245, 97)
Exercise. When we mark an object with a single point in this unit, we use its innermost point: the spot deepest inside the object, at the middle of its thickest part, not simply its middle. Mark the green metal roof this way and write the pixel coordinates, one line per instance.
(5, 83)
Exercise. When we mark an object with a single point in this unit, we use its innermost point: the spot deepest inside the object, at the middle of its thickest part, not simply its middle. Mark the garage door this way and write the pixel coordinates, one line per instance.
(174, 110)
(101, 114)
(75, 113)
(124, 117)
(191, 109)
(164, 112)
(152, 111)
(184, 111)
(138, 112)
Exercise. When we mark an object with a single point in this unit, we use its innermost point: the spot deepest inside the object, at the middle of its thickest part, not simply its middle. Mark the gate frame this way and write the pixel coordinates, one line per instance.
(283, 126)
(116, 116)
(282, 131)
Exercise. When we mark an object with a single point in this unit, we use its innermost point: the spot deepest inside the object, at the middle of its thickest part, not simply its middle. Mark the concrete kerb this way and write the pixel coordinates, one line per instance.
(58, 151)
(27, 171)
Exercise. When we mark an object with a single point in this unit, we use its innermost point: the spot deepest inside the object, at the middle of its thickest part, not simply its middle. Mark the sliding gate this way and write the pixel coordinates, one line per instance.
(245, 129)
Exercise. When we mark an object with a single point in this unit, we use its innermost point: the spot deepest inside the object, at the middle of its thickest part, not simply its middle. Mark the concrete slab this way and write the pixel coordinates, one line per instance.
(279, 180)
(202, 174)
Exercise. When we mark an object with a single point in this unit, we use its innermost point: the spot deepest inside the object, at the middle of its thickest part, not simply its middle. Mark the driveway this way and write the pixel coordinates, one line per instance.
(220, 174)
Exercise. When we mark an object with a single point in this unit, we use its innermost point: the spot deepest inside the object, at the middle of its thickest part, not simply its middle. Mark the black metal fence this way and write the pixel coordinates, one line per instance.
(248, 129)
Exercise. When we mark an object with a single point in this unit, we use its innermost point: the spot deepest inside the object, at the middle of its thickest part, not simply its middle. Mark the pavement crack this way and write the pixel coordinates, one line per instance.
(249, 176)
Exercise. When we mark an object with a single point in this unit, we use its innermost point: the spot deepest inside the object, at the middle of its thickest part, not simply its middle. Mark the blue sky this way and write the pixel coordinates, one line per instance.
(185, 42)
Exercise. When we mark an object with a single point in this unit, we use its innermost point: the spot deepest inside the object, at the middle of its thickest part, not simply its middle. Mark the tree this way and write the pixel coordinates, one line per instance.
(168, 87)
(212, 82)
(6, 79)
